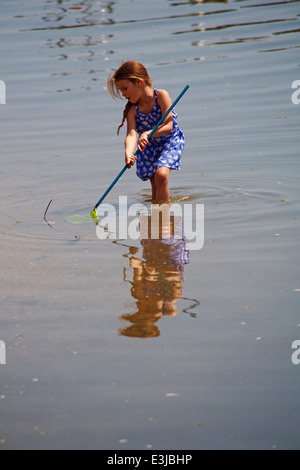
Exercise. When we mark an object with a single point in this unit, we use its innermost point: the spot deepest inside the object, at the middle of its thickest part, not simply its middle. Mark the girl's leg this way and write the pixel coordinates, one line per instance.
(161, 181)
(154, 188)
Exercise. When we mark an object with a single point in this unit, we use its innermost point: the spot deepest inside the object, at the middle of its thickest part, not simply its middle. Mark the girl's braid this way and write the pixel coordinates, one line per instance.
(125, 113)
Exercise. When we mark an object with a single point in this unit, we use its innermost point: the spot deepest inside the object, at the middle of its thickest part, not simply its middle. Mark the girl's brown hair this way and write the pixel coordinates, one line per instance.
(132, 71)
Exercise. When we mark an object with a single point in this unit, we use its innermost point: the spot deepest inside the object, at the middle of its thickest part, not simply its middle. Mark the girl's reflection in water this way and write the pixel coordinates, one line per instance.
(157, 276)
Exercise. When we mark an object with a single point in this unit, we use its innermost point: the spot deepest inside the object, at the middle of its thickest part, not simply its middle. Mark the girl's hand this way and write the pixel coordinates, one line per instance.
(143, 142)
(130, 159)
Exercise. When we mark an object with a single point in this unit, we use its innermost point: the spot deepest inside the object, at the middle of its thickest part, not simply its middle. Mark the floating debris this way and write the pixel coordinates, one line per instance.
(46, 214)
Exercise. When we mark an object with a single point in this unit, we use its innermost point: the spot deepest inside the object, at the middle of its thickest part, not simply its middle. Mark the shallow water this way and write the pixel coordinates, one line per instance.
(90, 363)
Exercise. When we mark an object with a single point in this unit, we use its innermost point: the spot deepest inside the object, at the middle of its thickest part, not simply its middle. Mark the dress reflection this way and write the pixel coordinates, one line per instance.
(157, 280)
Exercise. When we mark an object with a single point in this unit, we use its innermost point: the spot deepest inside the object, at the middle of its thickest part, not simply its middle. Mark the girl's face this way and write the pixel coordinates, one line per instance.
(130, 91)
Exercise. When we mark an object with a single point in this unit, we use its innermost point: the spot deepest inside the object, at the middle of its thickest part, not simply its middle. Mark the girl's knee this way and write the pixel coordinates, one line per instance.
(162, 176)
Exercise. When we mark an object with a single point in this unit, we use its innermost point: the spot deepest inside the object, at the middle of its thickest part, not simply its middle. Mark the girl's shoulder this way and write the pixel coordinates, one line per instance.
(162, 94)
(132, 111)
(163, 98)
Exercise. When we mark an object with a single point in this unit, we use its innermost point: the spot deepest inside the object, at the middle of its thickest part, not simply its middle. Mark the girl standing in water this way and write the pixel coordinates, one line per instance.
(145, 107)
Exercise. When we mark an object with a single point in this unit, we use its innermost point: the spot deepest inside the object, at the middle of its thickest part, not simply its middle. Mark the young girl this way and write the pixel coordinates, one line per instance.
(145, 107)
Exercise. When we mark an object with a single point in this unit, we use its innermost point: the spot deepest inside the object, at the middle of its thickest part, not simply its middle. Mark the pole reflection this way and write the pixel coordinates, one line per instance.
(157, 275)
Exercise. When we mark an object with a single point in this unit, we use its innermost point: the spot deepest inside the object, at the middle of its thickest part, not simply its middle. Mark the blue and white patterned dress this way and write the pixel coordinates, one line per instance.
(162, 151)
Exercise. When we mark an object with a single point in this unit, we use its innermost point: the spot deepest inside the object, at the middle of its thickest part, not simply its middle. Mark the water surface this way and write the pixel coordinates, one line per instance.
(210, 367)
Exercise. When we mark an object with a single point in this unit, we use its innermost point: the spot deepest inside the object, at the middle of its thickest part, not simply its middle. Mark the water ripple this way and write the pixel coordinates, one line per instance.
(112, 22)
(226, 26)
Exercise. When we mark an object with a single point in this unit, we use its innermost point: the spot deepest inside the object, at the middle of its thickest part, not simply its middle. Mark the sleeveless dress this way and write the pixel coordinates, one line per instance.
(162, 151)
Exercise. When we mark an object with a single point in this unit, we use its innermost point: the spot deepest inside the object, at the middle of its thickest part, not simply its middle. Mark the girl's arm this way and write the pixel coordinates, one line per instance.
(166, 127)
(164, 102)
(130, 141)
